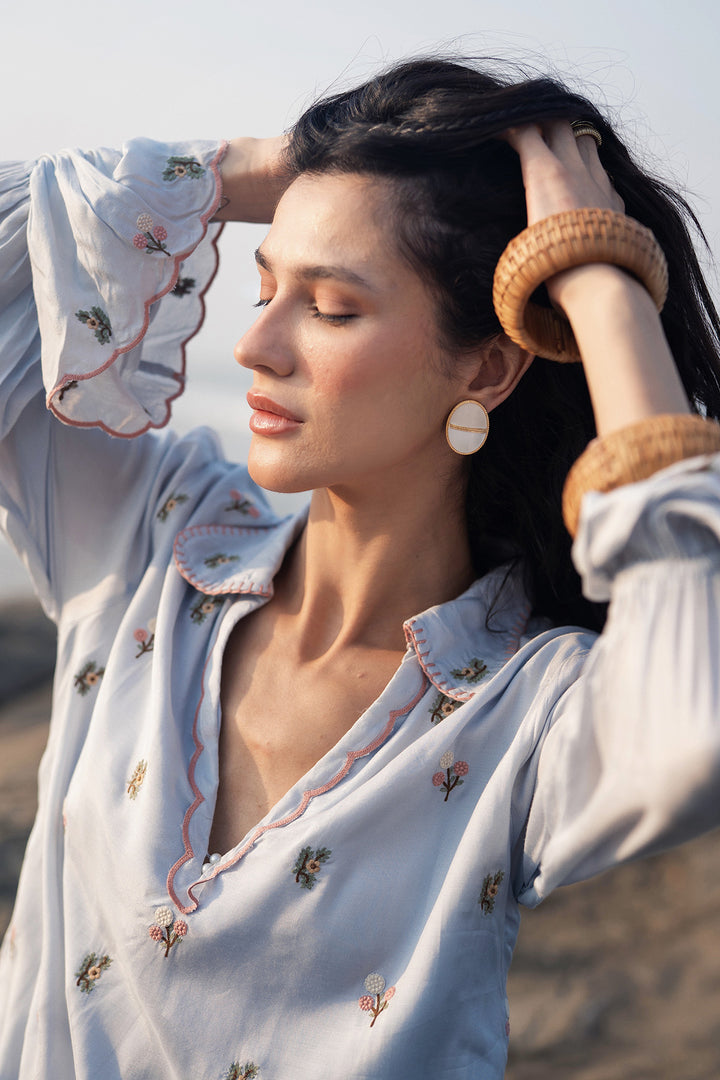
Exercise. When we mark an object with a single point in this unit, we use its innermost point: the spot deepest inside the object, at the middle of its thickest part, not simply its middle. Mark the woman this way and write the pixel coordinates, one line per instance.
(302, 771)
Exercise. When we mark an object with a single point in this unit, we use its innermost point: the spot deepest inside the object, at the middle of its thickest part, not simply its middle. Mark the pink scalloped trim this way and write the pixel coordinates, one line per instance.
(179, 376)
(308, 796)
(431, 670)
(199, 583)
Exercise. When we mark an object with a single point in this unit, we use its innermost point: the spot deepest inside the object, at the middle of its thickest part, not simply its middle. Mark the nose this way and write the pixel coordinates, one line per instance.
(265, 345)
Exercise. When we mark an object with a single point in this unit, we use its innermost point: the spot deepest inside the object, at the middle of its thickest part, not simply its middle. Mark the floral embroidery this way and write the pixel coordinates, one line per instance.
(145, 638)
(442, 706)
(167, 930)
(90, 971)
(180, 168)
(150, 238)
(490, 888)
(474, 672)
(241, 1072)
(204, 607)
(136, 780)
(68, 386)
(219, 560)
(90, 676)
(96, 320)
(241, 503)
(169, 505)
(375, 1001)
(451, 778)
(183, 286)
(308, 864)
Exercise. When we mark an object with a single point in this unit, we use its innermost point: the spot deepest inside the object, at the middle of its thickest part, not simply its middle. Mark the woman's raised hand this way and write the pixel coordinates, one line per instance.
(629, 367)
(253, 179)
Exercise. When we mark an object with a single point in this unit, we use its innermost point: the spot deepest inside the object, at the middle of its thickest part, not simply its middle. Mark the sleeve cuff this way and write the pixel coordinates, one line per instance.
(123, 251)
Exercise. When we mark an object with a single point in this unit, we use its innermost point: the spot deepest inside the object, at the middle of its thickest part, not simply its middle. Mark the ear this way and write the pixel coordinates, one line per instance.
(500, 366)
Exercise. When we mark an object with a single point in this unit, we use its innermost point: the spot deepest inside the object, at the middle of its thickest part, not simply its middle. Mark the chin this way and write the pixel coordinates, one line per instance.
(278, 477)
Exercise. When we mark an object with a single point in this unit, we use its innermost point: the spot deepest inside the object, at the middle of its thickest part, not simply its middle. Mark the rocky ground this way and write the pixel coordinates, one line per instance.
(614, 979)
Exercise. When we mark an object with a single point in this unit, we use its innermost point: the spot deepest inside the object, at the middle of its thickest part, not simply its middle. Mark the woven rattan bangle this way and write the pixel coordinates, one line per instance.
(634, 453)
(560, 242)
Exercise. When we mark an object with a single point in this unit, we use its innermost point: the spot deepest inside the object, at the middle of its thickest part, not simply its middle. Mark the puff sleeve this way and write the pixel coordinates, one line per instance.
(104, 260)
(630, 760)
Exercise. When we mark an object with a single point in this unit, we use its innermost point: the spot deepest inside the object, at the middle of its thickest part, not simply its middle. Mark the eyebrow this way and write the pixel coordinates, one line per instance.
(312, 273)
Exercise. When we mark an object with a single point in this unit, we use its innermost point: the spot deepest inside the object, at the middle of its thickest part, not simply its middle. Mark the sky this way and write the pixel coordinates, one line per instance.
(88, 74)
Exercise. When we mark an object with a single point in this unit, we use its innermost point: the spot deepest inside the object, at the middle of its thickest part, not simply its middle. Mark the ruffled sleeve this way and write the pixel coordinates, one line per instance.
(629, 762)
(121, 250)
(104, 260)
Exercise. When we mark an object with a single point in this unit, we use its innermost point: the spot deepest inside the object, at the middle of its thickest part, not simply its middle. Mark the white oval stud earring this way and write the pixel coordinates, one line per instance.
(467, 427)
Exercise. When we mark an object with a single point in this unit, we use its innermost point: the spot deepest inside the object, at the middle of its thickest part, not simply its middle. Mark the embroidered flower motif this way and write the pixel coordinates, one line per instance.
(490, 889)
(473, 673)
(151, 237)
(219, 560)
(167, 930)
(183, 286)
(180, 168)
(68, 386)
(173, 500)
(90, 971)
(308, 864)
(90, 676)
(442, 706)
(145, 638)
(242, 1072)
(136, 780)
(96, 320)
(242, 504)
(374, 1001)
(204, 607)
(451, 777)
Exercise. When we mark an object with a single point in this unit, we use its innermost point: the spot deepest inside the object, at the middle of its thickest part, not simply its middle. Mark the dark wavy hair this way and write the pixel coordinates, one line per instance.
(429, 126)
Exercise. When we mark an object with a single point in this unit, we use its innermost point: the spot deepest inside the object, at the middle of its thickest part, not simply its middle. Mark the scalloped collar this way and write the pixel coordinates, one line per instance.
(459, 644)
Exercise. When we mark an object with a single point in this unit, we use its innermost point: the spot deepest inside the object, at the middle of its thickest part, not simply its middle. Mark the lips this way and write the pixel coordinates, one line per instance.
(260, 403)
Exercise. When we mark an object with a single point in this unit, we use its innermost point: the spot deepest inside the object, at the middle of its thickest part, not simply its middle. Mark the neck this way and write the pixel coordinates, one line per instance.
(364, 565)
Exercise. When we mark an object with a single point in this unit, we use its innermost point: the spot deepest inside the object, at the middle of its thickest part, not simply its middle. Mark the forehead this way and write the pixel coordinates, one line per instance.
(343, 219)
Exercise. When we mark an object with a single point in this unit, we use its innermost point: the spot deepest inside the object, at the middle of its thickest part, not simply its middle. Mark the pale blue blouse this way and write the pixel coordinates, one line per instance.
(363, 928)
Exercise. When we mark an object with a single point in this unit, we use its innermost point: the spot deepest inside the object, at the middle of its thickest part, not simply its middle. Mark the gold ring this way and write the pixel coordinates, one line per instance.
(584, 127)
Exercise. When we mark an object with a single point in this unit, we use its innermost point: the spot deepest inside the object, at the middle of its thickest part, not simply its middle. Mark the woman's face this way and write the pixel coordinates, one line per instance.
(349, 384)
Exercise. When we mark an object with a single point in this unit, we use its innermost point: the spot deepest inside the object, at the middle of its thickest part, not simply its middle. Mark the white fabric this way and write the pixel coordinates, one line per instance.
(365, 927)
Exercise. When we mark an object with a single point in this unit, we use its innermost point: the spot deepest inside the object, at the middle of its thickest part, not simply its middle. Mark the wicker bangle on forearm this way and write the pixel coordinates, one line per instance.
(560, 242)
(634, 453)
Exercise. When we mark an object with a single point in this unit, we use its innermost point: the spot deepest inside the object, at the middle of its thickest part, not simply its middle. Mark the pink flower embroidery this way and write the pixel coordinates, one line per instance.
(145, 638)
(452, 776)
(151, 237)
(241, 504)
(375, 1001)
(167, 930)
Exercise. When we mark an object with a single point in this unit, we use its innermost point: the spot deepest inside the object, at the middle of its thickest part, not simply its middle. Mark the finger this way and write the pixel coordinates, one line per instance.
(560, 137)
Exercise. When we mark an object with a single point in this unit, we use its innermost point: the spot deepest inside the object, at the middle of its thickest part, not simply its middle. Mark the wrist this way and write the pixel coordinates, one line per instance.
(253, 179)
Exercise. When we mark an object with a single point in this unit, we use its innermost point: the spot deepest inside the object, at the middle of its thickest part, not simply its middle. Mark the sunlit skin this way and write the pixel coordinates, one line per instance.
(347, 344)
(386, 536)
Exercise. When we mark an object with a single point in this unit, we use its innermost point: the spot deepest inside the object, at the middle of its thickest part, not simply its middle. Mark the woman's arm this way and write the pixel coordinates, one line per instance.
(628, 364)
(253, 179)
